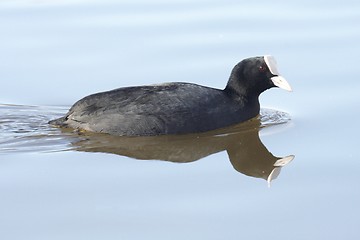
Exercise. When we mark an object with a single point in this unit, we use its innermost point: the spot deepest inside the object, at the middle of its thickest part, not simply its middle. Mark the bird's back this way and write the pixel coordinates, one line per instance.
(173, 108)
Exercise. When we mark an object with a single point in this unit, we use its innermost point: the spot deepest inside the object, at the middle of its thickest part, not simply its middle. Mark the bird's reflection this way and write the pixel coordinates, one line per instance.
(246, 152)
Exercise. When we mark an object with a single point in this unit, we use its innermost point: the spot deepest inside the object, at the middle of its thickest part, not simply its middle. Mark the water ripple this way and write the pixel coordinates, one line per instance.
(26, 128)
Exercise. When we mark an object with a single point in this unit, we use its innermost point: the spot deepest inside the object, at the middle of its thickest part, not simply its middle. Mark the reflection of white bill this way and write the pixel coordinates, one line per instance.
(283, 161)
(278, 165)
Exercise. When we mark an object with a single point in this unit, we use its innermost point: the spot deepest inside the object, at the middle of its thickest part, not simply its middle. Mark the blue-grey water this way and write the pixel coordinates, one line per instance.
(59, 184)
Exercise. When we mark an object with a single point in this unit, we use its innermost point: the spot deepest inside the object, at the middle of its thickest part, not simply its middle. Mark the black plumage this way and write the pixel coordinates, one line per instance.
(174, 108)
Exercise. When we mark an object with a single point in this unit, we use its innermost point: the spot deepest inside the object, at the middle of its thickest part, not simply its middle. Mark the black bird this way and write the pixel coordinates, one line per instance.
(176, 108)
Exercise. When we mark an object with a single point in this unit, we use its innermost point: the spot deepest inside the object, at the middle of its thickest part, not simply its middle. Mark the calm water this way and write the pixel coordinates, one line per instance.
(62, 185)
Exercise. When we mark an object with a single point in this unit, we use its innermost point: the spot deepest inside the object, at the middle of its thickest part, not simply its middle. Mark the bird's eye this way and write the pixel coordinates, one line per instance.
(262, 68)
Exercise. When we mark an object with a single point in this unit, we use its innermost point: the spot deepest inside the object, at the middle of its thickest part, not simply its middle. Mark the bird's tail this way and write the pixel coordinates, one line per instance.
(59, 122)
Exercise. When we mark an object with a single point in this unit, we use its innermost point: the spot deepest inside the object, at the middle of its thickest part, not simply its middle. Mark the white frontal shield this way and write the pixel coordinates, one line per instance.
(278, 80)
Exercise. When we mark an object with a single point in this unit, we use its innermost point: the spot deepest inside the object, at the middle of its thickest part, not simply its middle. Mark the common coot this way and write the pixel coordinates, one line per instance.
(176, 108)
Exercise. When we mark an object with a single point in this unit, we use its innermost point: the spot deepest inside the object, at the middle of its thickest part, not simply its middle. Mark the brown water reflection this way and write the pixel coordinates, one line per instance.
(24, 129)
(246, 152)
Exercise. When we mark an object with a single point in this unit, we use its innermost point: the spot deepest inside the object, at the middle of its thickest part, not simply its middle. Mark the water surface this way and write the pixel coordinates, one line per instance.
(65, 185)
